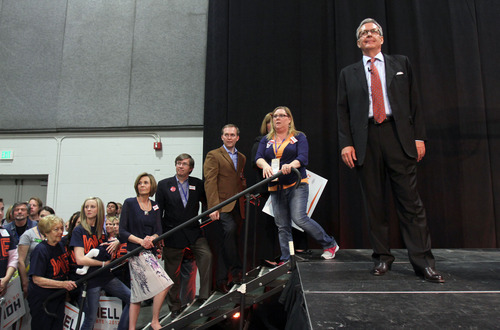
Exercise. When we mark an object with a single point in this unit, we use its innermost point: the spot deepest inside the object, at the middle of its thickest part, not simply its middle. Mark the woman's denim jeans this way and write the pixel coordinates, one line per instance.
(114, 288)
(290, 205)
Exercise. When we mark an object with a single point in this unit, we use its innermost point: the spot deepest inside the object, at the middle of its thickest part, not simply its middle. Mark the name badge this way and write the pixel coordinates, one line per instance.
(192, 187)
(275, 166)
(4, 232)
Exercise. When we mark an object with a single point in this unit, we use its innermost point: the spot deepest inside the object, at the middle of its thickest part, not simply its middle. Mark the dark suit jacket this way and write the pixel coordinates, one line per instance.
(353, 106)
(222, 181)
(173, 212)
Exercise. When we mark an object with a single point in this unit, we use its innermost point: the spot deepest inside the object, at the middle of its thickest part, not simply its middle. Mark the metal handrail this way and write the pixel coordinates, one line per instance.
(168, 233)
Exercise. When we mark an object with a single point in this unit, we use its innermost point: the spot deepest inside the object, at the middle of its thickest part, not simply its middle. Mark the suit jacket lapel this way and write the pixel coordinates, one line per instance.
(390, 70)
(240, 163)
(359, 72)
(191, 194)
(226, 156)
(176, 195)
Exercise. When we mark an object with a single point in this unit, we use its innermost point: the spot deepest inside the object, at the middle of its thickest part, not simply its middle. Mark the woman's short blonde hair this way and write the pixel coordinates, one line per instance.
(291, 128)
(48, 222)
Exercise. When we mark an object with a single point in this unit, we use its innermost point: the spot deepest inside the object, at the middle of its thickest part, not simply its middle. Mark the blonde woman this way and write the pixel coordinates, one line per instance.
(48, 273)
(87, 236)
(284, 148)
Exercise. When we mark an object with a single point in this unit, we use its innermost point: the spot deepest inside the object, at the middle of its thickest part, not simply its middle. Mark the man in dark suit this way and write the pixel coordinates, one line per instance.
(382, 134)
(179, 199)
(223, 169)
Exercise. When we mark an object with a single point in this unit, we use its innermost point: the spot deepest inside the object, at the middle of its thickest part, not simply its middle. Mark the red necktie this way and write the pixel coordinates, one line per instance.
(377, 94)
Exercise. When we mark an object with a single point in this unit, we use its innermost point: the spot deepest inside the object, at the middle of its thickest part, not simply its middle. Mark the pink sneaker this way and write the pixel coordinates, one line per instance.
(330, 253)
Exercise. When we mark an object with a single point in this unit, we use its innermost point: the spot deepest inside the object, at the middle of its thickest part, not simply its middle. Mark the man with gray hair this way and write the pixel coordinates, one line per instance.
(21, 223)
(382, 134)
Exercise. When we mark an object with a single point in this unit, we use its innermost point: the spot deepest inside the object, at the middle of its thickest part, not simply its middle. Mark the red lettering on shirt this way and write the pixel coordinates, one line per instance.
(60, 265)
(4, 246)
(90, 243)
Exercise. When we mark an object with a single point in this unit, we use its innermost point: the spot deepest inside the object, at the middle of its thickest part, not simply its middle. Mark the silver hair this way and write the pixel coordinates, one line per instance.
(369, 20)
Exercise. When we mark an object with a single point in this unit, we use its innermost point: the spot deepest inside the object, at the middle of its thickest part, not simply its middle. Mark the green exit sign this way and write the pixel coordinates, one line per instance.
(7, 155)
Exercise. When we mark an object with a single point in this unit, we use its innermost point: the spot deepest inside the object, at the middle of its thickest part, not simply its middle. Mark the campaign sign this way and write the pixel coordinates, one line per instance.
(71, 317)
(13, 303)
(108, 313)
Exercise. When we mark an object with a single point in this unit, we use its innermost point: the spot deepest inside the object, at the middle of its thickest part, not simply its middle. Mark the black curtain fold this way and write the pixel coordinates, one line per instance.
(262, 54)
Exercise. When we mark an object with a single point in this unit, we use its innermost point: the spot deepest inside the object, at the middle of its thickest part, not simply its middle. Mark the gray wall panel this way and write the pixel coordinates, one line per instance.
(95, 76)
(168, 70)
(31, 38)
(102, 63)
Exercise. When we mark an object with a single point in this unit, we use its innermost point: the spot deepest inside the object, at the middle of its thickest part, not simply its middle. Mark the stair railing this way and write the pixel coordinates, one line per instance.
(83, 281)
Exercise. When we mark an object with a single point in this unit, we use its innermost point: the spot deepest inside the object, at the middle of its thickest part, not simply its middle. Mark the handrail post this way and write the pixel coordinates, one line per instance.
(82, 303)
(245, 251)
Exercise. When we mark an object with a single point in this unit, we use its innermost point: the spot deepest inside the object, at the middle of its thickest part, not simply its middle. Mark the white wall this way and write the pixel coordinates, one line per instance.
(80, 165)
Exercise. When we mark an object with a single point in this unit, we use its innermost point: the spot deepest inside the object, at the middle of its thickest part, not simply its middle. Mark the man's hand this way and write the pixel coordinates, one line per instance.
(420, 150)
(214, 215)
(349, 156)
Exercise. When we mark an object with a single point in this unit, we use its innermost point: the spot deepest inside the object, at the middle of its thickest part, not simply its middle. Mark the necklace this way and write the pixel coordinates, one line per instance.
(144, 208)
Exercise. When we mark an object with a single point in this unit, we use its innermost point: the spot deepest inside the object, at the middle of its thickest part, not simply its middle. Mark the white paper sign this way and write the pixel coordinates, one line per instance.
(13, 306)
(316, 186)
(71, 317)
(108, 313)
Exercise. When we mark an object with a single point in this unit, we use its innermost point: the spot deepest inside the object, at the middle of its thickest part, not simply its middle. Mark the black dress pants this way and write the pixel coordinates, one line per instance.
(385, 158)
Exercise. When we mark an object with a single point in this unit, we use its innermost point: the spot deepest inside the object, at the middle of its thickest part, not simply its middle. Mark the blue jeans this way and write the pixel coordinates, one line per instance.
(114, 288)
(290, 205)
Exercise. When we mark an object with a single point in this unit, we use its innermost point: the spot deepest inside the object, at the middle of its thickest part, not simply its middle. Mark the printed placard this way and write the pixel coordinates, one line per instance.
(71, 317)
(108, 313)
(13, 303)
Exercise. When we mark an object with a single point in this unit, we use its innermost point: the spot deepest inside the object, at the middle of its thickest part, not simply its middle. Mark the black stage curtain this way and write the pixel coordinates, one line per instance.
(263, 53)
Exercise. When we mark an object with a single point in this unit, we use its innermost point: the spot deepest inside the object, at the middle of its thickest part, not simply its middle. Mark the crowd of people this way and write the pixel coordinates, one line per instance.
(381, 135)
(51, 254)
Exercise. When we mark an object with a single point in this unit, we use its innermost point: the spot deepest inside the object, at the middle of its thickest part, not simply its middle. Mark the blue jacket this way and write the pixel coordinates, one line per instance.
(11, 227)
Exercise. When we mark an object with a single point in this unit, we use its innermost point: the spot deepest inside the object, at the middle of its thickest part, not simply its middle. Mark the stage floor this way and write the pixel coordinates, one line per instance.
(341, 293)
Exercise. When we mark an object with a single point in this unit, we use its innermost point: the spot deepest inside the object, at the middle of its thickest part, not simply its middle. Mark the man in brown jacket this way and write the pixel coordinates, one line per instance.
(224, 178)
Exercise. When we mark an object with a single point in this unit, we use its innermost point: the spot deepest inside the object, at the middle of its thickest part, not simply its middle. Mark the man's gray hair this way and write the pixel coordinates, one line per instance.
(369, 20)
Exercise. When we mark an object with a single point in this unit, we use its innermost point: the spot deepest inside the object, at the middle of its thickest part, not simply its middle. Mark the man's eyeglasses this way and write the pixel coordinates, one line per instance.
(280, 116)
(182, 163)
(364, 33)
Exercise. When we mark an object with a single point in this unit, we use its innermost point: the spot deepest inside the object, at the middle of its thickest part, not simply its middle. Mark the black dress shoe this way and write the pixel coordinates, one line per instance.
(222, 288)
(431, 275)
(381, 268)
